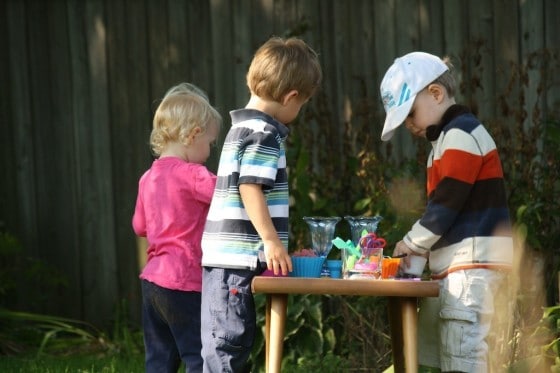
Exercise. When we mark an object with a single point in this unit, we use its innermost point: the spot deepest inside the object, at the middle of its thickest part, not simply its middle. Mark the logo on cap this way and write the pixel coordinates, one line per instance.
(405, 94)
(388, 100)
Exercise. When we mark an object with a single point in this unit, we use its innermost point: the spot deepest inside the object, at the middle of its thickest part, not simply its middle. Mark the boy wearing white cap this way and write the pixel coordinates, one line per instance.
(465, 229)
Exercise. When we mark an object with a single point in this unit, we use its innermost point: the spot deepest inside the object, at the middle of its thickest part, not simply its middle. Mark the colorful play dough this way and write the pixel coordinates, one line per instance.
(366, 266)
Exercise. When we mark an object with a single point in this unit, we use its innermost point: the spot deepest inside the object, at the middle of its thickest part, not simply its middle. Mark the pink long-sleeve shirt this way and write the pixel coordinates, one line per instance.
(171, 208)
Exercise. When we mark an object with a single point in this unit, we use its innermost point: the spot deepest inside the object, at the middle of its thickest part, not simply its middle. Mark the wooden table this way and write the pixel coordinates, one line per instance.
(402, 295)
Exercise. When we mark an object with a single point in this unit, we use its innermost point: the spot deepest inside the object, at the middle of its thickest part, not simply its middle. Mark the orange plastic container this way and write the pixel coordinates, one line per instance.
(389, 267)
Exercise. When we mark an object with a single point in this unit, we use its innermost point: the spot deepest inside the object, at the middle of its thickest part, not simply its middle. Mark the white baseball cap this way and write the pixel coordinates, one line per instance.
(407, 76)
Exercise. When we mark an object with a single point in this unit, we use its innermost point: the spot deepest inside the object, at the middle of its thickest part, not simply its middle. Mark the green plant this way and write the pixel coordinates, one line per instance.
(306, 335)
(23, 332)
(25, 282)
(327, 363)
(72, 364)
(126, 339)
(43, 343)
(10, 249)
(543, 341)
(362, 329)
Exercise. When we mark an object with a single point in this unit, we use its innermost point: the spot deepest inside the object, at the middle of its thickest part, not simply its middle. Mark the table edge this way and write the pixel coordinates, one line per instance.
(324, 286)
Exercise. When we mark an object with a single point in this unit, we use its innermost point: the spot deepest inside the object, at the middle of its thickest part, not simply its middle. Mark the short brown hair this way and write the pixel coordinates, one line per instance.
(281, 65)
(447, 80)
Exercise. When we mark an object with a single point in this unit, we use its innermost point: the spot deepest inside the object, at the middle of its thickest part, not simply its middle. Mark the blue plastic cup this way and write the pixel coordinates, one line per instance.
(335, 268)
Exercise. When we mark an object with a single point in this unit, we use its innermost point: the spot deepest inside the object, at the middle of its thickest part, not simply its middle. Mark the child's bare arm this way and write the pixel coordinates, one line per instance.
(277, 257)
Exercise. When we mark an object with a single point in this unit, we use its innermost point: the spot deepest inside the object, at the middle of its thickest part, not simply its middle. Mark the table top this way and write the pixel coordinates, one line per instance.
(302, 285)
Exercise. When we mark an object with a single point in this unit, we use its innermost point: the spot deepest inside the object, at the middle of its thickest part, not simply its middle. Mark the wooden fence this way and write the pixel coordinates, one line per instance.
(80, 81)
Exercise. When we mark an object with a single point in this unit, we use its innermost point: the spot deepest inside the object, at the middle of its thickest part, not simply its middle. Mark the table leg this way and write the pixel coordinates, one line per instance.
(275, 339)
(395, 320)
(410, 333)
(267, 331)
(409, 309)
(404, 332)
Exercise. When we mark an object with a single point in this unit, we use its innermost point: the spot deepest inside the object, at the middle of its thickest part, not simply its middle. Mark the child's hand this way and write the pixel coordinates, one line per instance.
(277, 258)
(402, 249)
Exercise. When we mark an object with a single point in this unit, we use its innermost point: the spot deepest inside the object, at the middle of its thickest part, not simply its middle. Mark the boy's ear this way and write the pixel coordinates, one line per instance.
(289, 96)
(437, 91)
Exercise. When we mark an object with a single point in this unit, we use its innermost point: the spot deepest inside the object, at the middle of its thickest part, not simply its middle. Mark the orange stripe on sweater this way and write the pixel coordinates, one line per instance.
(465, 167)
(494, 266)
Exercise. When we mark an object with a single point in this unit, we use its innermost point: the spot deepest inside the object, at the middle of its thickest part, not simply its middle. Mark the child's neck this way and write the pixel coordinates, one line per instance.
(175, 149)
(266, 106)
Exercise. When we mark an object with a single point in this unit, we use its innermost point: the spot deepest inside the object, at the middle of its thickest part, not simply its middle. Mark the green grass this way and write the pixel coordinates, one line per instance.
(34, 343)
(72, 364)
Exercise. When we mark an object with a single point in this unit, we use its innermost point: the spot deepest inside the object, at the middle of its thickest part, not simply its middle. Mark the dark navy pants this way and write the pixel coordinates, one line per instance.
(171, 322)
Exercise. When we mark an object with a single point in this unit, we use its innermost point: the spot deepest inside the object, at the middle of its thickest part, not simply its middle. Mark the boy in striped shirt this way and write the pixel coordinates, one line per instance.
(247, 226)
(465, 229)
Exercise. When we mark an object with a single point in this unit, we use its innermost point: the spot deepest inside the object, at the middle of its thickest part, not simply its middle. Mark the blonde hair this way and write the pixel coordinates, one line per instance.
(183, 108)
(282, 65)
(447, 80)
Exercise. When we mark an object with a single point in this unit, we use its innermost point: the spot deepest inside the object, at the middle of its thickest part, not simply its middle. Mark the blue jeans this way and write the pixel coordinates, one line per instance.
(171, 322)
(228, 319)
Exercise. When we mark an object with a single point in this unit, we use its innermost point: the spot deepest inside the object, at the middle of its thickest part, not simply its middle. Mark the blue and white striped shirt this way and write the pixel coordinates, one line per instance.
(253, 153)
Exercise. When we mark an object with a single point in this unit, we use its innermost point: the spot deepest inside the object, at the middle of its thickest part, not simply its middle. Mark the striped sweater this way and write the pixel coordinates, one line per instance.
(253, 153)
(466, 222)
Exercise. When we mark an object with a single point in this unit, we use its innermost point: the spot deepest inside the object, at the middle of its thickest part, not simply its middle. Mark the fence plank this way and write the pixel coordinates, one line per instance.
(431, 19)
(243, 49)
(96, 222)
(21, 217)
(506, 59)
(385, 54)
(41, 135)
(8, 187)
(53, 176)
(130, 117)
(481, 27)
(455, 31)
(552, 43)
(532, 32)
